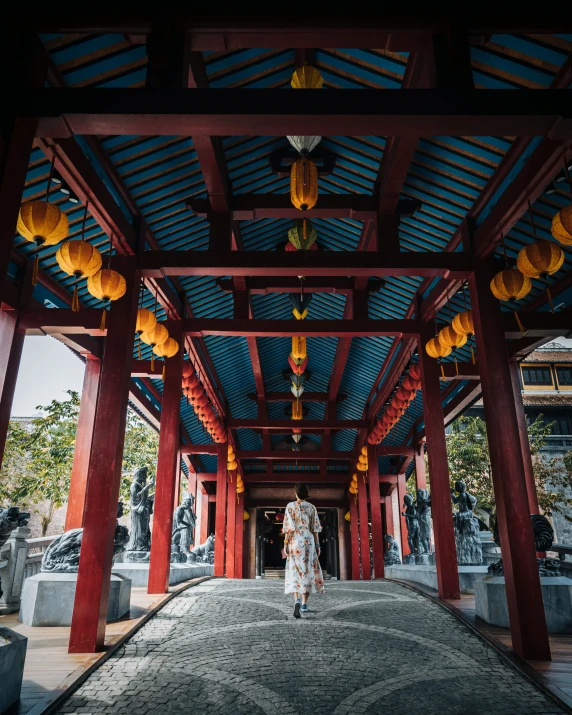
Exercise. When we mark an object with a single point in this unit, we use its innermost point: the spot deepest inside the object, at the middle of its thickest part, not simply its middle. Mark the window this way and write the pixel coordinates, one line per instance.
(564, 377)
(536, 376)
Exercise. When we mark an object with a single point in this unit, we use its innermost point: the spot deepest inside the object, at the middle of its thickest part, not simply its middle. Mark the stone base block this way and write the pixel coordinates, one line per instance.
(427, 575)
(12, 656)
(139, 573)
(47, 599)
(491, 604)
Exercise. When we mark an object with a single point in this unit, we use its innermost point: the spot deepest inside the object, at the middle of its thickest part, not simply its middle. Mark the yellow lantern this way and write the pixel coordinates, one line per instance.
(167, 349)
(463, 323)
(353, 488)
(230, 453)
(364, 451)
(540, 259)
(510, 285)
(304, 184)
(146, 321)
(297, 410)
(79, 259)
(451, 339)
(156, 336)
(307, 77)
(299, 349)
(362, 459)
(231, 466)
(42, 223)
(347, 516)
(106, 285)
(245, 515)
(436, 350)
(361, 467)
(562, 226)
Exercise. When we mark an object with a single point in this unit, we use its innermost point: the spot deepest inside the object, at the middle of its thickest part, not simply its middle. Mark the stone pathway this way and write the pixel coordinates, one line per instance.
(233, 647)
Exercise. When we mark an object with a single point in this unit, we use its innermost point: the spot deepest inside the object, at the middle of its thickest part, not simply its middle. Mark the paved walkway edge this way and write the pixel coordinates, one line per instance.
(74, 680)
(507, 653)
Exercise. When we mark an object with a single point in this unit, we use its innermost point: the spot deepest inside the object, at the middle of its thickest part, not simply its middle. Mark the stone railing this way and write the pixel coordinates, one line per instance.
(20, 557)
(563, 550)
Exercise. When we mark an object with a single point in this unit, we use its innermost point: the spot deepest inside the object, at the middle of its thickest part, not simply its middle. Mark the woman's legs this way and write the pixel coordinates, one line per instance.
(305, 597)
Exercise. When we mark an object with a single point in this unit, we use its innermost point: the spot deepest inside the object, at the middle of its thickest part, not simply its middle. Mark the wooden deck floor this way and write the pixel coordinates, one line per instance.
(50, 670)
(555, 675)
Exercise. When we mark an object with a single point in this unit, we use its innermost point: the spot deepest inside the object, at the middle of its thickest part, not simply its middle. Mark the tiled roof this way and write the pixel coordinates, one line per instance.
(554, 399)
(542, 356)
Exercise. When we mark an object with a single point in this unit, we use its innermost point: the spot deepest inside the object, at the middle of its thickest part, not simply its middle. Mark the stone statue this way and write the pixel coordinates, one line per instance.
(423, 508)
(412, 523)
(10, 519)
(141, 503)
(62, 555)
(203, 553)
(391, 556)
(184, 522)
(469, 547)
(543, 540)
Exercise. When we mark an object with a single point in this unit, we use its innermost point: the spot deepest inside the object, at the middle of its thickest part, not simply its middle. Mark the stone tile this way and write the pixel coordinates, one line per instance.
(233, 647)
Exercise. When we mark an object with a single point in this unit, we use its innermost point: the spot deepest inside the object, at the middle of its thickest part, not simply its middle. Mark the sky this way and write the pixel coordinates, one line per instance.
(48, 369)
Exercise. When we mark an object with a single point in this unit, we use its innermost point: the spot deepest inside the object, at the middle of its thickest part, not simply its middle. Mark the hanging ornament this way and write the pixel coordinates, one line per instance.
(304, 145)
(79, 259)
(435, 349)
(304, 184)
(106, 285)
(450, 338)
(347, 516)
(231, 466)
(510, 285)
(298, 350)
(156, 336)
(168, 348)
(562, 226)
(245, 516)
(296, 391)
(463, 323)
(302, 235)
(307, 77)
(297, 410)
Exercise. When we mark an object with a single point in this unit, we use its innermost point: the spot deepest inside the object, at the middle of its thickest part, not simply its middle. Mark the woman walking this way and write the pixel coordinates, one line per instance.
(301, 550)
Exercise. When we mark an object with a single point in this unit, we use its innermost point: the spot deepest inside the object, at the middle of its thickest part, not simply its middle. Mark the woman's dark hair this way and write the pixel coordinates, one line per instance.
(301, 490)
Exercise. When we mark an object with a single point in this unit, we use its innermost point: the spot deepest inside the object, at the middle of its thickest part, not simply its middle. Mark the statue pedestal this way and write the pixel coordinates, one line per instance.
(136, 557)
(427, 575)
(12, 656)
(47, 599)
(491, 604)
(138, 573)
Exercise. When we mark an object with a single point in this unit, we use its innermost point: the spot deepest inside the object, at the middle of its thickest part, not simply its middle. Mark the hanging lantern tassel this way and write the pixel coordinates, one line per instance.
(35, 270)
(456, 363)
(472, 354)
(442, 371)
(139, 348)
(549, 295)
(152, 362)
(163, 371)
(519, 322)
(102, 324)
(75, 300)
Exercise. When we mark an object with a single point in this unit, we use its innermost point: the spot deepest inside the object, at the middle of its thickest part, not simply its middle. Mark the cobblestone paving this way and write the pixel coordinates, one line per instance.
(233, 647)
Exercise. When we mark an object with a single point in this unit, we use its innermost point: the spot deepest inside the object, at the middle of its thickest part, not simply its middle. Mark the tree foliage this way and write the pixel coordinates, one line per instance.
(469, 461)
(38, 457)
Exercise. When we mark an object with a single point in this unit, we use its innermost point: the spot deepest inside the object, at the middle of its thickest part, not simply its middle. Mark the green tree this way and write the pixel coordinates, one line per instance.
(38, 458)
(469, 461)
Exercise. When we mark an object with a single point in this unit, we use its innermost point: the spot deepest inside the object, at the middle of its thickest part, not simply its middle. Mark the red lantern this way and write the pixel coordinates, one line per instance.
(415, 371)
(371, 439)
(410, 383)
(187, 369)
(297, 369)
(404, 394)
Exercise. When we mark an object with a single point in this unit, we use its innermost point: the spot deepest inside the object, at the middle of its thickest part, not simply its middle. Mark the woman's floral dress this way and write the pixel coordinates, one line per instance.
(303, 570)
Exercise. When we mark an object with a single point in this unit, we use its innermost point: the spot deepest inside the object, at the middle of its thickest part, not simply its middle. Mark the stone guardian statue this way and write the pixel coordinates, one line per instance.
(184, 522)
(423, 508)
(412, 523)
(141, 503)
(469, 547)
(391, 556)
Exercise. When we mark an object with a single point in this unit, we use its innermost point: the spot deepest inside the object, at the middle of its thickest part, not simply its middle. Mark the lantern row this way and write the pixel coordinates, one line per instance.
(403, 397)
(197, 396)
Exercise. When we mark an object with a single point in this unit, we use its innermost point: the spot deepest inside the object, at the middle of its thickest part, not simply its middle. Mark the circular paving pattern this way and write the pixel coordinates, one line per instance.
(233, 647)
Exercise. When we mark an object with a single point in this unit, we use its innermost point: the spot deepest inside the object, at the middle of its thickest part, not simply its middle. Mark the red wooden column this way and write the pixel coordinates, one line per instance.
(354, 533)
(524, 442)
(178, 477)
(388, 515)
(364, 530)
(524, 596)
(220, 519)
(231, 527)
(445, 548)
(420, 475)
(401, 492)
(160, 562)
(83, 442)
(104, 474)
(204, 523)
(375, 505)
(239, 537)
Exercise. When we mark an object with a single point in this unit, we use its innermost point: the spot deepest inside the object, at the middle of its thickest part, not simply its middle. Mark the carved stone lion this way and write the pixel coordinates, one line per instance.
(203, 553)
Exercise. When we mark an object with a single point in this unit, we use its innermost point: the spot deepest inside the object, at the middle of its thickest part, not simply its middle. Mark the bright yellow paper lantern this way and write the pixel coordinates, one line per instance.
(297, 413)
(347, 516)
(78, 258)
(107, 285)
(307, 77)
(299, 348)
(510, 285)
(245, 515)
(156, 336)
(540, 259)
(463, 323)
(167, 349)
(42, 223)
(231, 466)
(436, 350)
(304, 184)
(146, 321)
(562, 226)
(450, 338)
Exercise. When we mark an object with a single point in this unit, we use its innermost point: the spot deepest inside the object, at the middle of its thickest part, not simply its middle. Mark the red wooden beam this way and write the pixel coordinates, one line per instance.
(160, 561)
(289, 455)
(364, 532)
(293, 477)
(198, 448)
(308, 263)
(375, 506)
(220, 519)
(255, 112)
(305, 425)
(144, 406)
(248, 207)
(289, 397)
(277, 284)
